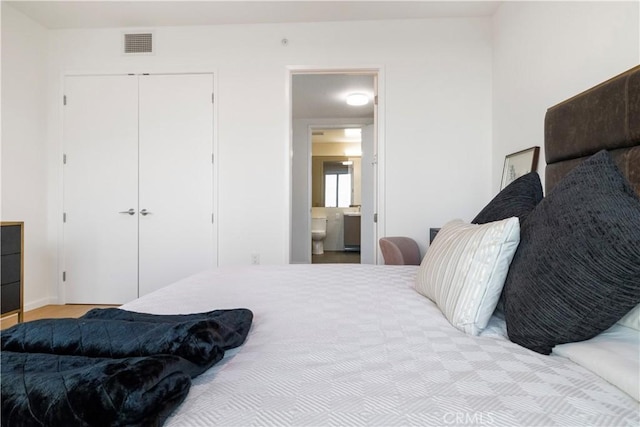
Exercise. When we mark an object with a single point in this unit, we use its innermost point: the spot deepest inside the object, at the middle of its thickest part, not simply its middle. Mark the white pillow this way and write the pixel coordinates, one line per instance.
(612, 354)
(632, 319)
(464, 270)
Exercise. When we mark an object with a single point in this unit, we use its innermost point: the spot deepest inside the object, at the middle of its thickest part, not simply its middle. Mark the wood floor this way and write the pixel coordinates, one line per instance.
(336, 257)
(51, 312)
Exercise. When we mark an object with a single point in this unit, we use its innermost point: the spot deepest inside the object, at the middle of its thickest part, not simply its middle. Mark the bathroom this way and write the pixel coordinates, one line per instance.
(336, 195)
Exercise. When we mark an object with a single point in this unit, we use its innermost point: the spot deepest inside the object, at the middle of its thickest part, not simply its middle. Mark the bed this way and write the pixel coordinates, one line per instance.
(355, 345)
(422, 345)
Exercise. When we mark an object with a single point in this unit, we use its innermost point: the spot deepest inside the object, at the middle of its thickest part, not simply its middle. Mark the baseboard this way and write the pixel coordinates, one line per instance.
(40, 303)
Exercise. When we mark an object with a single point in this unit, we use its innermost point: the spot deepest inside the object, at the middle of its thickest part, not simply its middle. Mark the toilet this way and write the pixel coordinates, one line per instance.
(318, 233)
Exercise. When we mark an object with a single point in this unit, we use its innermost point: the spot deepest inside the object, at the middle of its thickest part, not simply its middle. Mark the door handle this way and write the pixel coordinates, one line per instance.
(130, 212)
(144, 212)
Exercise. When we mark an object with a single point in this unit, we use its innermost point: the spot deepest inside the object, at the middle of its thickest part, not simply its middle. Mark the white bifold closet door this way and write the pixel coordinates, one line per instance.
(138, 184)
(100, 180)
(176, 178)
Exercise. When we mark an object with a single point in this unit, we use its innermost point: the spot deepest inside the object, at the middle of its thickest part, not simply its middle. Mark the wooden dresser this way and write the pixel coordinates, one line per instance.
(12, 248)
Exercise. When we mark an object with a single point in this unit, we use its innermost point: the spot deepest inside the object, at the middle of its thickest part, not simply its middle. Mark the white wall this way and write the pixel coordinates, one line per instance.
(437, 131)
(24, 150)
(437, 101)
(545, 52)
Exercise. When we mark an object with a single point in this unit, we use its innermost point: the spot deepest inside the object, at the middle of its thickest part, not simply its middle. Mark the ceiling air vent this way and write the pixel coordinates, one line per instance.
(136, 43)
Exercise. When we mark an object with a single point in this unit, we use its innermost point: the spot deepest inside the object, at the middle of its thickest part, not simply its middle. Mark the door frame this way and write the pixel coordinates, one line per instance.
(378, 228)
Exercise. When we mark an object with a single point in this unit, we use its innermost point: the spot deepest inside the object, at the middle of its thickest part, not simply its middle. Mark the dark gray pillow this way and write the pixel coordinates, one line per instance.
(516, 199)
(577, 268)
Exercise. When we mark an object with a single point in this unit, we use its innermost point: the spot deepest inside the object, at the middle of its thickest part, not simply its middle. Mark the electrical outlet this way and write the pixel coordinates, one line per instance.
(255, 258)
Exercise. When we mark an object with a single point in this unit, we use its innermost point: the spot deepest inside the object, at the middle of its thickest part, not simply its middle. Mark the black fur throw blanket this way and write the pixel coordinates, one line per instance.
(110, 367)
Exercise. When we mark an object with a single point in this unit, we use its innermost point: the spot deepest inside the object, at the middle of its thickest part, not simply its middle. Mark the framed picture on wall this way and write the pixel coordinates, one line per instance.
(518, 164)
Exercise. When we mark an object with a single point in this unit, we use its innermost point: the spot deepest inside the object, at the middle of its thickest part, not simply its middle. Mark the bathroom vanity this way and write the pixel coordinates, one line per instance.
(352, 231)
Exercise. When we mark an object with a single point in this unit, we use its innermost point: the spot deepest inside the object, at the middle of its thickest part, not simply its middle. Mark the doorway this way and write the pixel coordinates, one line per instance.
(336, 194)
(334, 152)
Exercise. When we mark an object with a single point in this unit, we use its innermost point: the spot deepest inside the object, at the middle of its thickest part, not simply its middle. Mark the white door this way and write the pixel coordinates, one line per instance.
(100, 182)
(136, 144)
(176, 178)
(368, 226)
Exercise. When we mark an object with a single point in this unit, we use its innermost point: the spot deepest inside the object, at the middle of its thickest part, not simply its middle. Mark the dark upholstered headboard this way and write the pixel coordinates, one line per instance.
(606, 116)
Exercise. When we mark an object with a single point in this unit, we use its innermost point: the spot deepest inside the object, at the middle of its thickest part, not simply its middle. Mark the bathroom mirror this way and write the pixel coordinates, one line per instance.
(335, 181)
(336, 167)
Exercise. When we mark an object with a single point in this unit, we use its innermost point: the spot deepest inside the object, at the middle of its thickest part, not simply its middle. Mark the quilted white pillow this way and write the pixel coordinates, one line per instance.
(464, 270)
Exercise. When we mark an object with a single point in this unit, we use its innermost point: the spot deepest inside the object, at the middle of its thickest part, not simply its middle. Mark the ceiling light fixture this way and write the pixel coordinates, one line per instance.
(357, 99)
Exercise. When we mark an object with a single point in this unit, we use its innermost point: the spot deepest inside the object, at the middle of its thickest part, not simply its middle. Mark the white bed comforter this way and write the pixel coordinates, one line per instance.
(356, 345)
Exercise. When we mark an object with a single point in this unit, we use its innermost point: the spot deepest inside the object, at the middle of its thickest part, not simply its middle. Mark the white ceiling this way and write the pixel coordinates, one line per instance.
(145, 13)
(314, 96)
(323, 96)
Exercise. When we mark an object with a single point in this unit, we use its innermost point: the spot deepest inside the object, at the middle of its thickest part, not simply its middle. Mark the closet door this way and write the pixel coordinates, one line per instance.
(176, 178)
(100, 182)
